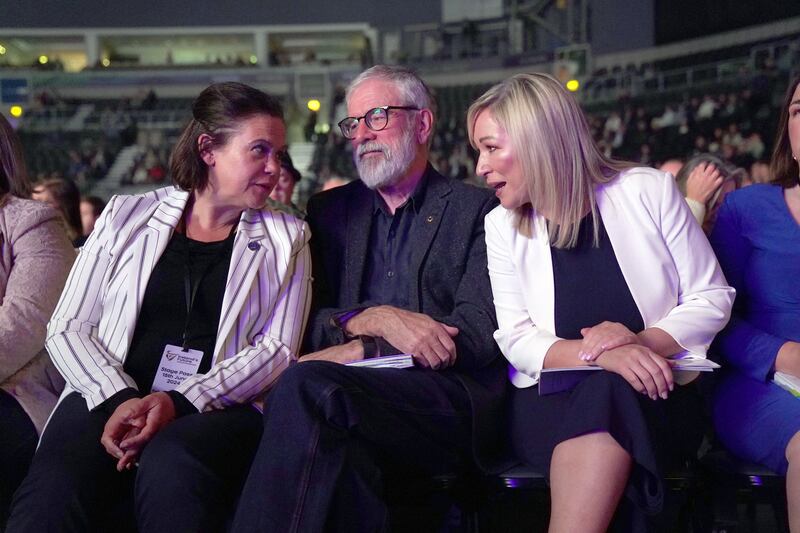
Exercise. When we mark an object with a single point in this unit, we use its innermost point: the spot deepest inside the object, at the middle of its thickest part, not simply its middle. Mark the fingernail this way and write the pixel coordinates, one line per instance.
(653, 397)
(671, 387)
(664, 395)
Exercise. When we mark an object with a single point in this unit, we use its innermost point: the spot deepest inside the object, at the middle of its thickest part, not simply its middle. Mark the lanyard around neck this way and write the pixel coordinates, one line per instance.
(190, 289)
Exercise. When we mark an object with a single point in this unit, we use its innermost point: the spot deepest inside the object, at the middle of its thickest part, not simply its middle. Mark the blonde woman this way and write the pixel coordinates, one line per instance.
(592, 261)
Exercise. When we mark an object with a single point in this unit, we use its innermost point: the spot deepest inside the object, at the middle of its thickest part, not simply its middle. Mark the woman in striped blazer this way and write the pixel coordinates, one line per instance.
(183, 308)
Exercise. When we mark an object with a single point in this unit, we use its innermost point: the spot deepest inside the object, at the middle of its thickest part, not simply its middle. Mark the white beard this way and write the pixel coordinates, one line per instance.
(378, 172)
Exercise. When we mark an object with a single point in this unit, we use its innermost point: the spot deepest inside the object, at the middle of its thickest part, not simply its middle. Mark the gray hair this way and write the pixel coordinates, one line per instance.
(413, 90)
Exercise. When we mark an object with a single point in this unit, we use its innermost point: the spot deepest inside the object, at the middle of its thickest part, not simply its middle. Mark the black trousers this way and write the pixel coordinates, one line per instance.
(187, 481)
(329, 433)
(17, 443)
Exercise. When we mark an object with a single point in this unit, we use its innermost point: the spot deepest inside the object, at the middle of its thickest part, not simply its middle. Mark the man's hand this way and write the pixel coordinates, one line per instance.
(342, 353)
(703, 182)
(604, 336)
(645, 370)
(133, 424)
(428, 341)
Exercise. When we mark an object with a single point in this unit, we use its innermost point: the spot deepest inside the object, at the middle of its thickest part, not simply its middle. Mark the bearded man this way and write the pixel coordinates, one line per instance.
(399, 267)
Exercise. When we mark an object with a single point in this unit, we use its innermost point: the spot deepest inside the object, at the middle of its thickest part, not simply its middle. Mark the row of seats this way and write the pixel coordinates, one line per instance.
(717, 494)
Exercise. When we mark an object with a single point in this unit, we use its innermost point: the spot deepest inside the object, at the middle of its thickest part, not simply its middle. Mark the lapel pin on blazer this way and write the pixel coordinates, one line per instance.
(429, 219)
(253, 245)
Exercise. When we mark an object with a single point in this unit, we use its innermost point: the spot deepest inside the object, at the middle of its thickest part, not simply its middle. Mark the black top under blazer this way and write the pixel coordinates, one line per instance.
(452, 285)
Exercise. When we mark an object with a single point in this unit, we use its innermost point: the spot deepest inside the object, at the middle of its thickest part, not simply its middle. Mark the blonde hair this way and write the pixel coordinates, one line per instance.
(555, 150)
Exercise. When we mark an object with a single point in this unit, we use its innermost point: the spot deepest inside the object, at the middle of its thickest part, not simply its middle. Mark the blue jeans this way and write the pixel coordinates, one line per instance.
(331, 432)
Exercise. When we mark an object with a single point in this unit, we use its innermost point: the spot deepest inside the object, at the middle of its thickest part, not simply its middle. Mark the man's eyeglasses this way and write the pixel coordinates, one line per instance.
(376, 119)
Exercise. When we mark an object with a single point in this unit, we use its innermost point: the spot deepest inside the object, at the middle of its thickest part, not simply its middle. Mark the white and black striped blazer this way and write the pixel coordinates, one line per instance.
(263, 314)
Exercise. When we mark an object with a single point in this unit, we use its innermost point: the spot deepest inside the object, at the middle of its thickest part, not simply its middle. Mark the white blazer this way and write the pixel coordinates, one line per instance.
(264, 308)
(666, 260)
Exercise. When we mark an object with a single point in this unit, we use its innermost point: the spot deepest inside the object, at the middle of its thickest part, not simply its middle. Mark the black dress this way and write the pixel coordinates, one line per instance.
(589, 289)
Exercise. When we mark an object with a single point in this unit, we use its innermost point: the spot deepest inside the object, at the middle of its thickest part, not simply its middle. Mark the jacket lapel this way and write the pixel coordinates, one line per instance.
(147, 248)
(358, 228)
(536, 269)
(427, 224)
(638, 258)
(250, 245)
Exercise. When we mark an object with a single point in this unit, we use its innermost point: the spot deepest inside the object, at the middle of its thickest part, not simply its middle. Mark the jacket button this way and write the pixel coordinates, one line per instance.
(429, 219)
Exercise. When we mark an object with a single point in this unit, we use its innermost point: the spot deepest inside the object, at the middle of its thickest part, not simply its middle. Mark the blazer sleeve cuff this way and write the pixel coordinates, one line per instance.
(182, 405)
(111, 404)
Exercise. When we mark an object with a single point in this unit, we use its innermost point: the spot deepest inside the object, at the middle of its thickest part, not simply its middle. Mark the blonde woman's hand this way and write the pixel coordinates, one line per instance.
(703, 182)
(646, 371)
(604, 336)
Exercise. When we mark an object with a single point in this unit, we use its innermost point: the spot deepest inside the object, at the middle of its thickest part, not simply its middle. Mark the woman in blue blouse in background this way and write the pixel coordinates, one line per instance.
(757, 241)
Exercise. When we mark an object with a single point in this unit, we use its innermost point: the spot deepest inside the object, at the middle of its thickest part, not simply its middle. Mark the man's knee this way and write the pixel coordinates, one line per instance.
(319, 390)
(307, 379)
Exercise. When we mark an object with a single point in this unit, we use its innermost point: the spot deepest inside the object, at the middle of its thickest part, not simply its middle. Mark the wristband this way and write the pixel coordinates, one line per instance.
(340, 319)
(371, 348)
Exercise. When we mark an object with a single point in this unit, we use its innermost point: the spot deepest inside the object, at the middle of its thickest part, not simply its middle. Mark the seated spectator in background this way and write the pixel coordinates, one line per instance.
(753, 146)
(705, 180)
(281, 195)
(572, 253)
(35, 257)
(757, 241)
(707, 108)
(399, 266)
(671, 166)
(759, 172)
(64, 196)
(184, 307)
(91, 207)
(334, 182)
(77, 168)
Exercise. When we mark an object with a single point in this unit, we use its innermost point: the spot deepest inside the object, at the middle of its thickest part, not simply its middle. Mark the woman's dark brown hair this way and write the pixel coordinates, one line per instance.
(217, 112)
(783, 167)
(13, 175)
(67, 199)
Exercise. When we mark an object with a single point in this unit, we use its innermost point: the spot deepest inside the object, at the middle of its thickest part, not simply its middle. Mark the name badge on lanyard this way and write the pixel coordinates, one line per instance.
(180, 362)
(176, 365)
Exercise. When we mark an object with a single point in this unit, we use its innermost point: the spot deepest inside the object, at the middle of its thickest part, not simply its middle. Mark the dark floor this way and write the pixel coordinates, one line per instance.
(528, 512)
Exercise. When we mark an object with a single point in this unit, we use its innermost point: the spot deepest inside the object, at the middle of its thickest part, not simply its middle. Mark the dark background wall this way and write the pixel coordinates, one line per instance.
(686, 19)
(614, 25)
(155, 13)
(617, 25)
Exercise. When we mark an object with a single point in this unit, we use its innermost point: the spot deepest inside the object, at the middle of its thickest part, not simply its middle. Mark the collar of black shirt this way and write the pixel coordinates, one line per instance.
(416, 200)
